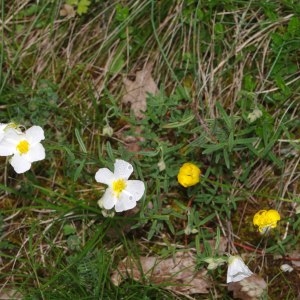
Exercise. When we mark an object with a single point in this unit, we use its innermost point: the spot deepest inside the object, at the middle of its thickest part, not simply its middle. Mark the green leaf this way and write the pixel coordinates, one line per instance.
(207, 219)
(226, 158)
(80, 141)
(180, 123)
(224, 116)
(72, 2)
(117, 64)
(293, 26)
(73, 242)
(281, 84)
(219, 30)
(69, 229)
(213, 148)
(83, 6)
(230, 141)
(249, 83)
(79, 169)
(109, 151)
(122, 13)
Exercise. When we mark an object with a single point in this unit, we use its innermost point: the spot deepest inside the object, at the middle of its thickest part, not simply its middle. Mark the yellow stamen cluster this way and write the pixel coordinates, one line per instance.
(118, 186)
(23, 147)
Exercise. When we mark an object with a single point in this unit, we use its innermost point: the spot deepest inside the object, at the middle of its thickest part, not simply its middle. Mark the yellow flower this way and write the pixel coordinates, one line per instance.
(266, 219)
(189, 174)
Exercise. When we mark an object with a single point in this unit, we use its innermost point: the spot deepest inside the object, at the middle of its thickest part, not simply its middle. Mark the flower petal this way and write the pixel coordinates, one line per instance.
(9, 142)
(108, 200)
(237, 269)
(35, 134)
(122, 169)
(20, 164)
(105, 176)
(6, 148)
(100, 203)
(135, 188)
(2, 132)
(35, 153)
(125, 202)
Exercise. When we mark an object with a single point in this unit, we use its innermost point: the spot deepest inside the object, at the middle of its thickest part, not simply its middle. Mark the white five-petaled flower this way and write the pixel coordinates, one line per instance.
(121, 192)
(25, 147)
(237, 269)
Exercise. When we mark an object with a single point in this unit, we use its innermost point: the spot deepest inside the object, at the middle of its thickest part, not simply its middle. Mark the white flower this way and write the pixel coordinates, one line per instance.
(237, 270)
(253, 116)
(286, 268)
(25, 148)
(121, 192)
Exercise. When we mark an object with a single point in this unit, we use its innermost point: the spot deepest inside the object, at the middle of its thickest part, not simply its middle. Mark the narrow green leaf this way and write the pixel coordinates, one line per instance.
(80, 141)
(226, 158)
(183, 122)
(213, 148)
(224, 116)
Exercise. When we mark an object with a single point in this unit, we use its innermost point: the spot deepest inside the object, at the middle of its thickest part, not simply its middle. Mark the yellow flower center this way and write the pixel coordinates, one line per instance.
(23, 147)
(118, 186)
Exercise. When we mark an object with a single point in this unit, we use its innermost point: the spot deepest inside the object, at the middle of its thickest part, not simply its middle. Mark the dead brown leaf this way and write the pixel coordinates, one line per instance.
(250, 288)
(10, 294)
(177, 274)
(67, 11)
(222, 246)
(136, 91)
(295, 259)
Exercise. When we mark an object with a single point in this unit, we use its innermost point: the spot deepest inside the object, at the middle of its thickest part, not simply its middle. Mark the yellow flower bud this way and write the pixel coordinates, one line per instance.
(189, 174)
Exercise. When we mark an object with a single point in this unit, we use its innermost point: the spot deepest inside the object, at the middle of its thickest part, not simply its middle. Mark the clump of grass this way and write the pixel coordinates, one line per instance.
(215, 64)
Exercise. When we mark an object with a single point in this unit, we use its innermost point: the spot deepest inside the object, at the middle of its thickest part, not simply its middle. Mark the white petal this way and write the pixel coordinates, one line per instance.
(35, 153)
(105, 176)
(136, 188)
(9, 142)
(35, 134)
(237, 270)
(122, 169)
(20, 164)
(100, 203)
(108, 200)
(125, 202)
(2, 132)
(7, 148)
